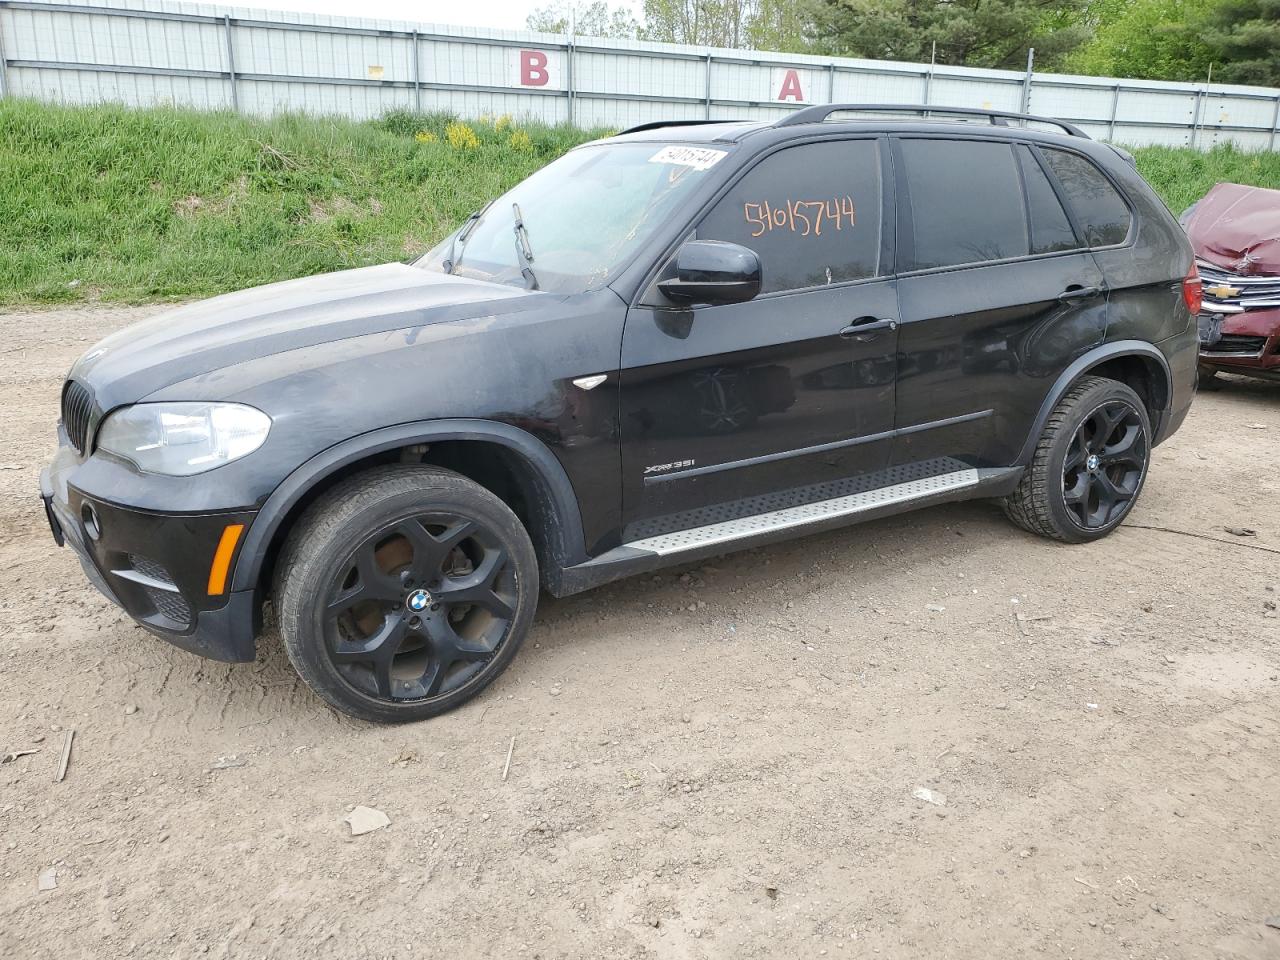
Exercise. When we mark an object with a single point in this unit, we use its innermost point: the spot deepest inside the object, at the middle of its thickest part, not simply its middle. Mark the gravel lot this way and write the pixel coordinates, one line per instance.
(716, 762)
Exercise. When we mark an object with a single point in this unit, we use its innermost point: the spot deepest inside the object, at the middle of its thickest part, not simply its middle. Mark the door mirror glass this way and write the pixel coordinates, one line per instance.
(711, 271)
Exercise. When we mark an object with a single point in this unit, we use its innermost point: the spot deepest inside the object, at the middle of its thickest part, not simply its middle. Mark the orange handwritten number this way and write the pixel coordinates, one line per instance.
(763, 218)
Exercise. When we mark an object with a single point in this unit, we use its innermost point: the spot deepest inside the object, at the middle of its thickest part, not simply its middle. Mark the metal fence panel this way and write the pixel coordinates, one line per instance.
(864, 87)
(152, 52)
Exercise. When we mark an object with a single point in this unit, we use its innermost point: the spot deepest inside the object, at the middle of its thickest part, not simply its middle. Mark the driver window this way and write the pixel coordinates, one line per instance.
(811, 213)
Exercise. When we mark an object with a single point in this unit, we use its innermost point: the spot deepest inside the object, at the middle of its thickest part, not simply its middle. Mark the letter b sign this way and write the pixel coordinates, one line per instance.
(533, 68)
(537, 68)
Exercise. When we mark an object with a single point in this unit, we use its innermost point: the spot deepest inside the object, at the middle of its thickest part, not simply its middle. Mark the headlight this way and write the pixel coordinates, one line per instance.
(181, 439)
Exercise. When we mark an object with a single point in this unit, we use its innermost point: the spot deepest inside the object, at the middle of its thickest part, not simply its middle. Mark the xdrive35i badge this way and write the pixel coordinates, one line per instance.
(664, 467)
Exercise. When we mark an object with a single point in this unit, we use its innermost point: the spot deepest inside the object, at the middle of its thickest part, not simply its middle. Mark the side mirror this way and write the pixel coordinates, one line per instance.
(711, 271)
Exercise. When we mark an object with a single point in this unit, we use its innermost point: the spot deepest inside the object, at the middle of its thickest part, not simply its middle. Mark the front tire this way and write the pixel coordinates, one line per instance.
(404, 591)
(1089, 465)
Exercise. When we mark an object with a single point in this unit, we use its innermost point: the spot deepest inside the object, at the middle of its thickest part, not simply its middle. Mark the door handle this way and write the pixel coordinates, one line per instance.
(1076, 292)
(864, 328)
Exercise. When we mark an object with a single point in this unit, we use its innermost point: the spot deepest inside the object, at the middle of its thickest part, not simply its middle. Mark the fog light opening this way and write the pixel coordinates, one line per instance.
(89, 518)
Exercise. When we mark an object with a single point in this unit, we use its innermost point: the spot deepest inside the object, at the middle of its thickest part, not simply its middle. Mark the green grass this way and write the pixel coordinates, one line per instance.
(1182, 177)
(138, 205)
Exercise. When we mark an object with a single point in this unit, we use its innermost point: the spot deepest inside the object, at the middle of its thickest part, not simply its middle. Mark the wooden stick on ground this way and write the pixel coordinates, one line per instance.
(506, 767)
(66, 755)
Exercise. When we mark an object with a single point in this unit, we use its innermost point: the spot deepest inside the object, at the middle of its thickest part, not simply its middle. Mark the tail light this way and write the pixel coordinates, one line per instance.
(1192, 290)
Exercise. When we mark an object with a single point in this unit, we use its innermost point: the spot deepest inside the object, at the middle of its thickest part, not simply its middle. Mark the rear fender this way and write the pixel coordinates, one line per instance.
(1094, 358)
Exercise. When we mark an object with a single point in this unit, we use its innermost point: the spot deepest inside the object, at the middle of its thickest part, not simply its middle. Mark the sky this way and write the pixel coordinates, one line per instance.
(503, 14)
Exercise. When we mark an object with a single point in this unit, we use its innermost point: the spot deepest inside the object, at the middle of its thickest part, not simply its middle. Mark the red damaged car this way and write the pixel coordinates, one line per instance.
(1235, 231)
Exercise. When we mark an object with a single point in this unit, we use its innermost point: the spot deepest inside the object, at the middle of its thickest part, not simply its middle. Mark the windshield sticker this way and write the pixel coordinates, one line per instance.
(804, 217)
(700, 158)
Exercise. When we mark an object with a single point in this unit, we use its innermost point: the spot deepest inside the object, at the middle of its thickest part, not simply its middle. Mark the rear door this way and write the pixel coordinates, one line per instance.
(998, 294)
(722, 403)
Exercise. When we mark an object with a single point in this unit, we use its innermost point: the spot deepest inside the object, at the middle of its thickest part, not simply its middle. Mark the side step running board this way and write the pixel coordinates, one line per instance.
(787, 518)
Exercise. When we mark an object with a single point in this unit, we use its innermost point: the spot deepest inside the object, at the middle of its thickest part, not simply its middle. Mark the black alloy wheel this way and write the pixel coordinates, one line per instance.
(420, 607)
(1089, 465)
(404, 591)
(1104, 466)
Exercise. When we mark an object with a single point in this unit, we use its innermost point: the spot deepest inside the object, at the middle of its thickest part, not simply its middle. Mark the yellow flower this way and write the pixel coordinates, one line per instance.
(502, 122)
(425, 136)
(461, 136)
(519, 140)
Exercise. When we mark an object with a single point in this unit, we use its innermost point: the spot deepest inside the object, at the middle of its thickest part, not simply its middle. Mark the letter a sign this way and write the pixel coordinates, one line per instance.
(789, 89)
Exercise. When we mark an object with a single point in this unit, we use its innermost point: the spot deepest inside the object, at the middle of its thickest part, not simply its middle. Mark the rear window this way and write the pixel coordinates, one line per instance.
(1099, 210)
(966, 202)
(1050, 229)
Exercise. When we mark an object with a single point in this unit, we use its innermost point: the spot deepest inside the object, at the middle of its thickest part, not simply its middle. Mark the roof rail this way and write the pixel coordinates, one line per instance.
(820, 112)
(659, 124)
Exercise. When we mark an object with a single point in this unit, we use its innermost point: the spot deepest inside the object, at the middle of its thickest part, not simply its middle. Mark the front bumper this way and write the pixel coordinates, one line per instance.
(154, 566)
(1247, 342)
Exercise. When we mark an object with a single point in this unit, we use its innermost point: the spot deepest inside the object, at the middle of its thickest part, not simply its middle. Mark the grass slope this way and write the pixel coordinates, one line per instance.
(136, 205)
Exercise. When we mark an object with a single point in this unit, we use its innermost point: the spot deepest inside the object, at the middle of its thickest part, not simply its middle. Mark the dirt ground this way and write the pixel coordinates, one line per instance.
(717, 762)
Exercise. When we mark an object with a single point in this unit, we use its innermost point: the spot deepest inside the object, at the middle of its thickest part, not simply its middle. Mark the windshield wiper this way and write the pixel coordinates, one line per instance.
(523, 250)
(461, 237)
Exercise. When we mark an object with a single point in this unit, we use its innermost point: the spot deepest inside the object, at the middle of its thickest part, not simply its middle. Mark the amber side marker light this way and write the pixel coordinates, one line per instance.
(222, 558)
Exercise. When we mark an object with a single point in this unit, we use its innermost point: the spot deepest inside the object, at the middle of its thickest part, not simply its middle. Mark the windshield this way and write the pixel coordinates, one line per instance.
(576, 222)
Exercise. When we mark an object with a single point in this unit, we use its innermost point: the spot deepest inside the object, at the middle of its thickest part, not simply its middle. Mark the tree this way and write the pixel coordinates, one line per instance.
(788, 26)
(1148, 39)
(976, 33)
(712, 23)
(1245, 37)
(596, 19)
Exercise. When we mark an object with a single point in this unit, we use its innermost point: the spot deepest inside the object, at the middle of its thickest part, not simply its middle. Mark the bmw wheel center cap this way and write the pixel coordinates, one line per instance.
(1093, 461)
(418, 601)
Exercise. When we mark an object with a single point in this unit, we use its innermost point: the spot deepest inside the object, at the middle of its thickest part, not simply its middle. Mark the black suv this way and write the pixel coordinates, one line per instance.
(676, 342)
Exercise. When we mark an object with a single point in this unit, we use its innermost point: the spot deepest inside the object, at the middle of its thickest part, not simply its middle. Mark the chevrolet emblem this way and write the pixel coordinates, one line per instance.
(1222, 291)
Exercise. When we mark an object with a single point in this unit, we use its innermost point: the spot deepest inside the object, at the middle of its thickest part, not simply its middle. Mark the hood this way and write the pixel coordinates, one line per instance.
(280, 317)
(1237, 228)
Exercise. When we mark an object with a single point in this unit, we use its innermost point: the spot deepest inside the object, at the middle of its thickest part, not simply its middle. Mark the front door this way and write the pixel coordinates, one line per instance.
(721, 404)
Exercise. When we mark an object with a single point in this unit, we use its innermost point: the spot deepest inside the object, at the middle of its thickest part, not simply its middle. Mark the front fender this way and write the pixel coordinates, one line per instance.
(549, 474)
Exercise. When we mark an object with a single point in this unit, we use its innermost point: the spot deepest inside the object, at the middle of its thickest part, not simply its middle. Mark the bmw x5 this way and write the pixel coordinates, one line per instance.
(672, 343)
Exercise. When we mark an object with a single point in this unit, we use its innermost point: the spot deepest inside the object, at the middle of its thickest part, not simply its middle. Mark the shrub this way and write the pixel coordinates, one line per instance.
(461, 136)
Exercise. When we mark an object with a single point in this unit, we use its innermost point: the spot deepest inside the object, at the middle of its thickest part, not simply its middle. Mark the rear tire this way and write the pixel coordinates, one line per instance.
(404, 591)
(1089, 466)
